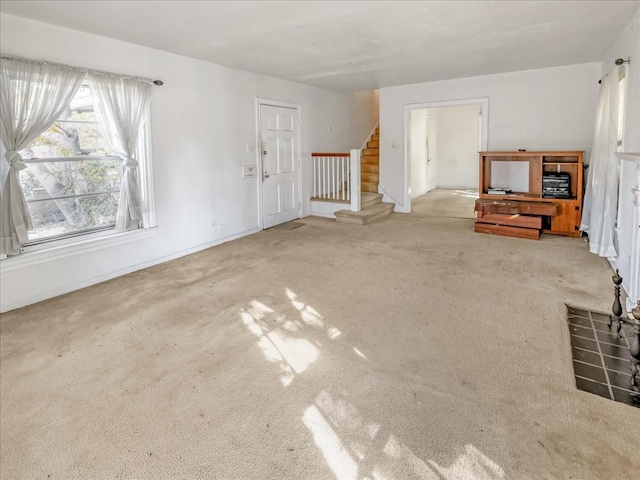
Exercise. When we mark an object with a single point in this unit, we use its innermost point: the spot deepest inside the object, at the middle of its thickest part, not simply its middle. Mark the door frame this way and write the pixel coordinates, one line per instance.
(258, 148)
(431, 165)
(408, 107)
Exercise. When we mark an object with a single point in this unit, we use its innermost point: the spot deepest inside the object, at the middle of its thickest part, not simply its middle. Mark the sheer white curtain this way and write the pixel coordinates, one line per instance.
(122, 107)
(32, 97)
(601, 197)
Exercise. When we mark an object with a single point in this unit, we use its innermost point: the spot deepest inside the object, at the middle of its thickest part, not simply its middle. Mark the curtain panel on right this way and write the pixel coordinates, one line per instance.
(122, 108)
(601, 196)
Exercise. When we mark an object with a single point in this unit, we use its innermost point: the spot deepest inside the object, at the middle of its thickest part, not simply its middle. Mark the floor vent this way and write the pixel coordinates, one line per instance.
(601, 358)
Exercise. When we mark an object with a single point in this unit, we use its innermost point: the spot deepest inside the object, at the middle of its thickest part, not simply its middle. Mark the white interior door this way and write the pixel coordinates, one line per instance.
(431, 153)
(279, 141)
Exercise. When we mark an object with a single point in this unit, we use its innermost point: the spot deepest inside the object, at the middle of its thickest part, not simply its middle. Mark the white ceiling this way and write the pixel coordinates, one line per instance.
(354, 45)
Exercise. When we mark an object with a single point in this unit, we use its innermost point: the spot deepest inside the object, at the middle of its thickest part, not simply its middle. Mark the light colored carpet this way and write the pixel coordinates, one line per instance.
(408, 348)
(444, 202)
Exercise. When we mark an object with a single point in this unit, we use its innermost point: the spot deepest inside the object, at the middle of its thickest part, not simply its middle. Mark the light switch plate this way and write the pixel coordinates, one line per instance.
(249, 171)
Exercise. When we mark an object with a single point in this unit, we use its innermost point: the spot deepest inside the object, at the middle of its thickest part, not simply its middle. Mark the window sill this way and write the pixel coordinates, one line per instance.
(56, 252)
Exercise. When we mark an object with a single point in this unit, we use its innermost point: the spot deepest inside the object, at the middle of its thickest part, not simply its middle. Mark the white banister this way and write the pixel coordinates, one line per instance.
(342, 181)
(336, 178)
(325, 180)
(355, 179)
(331, 176)
(334, 181)
(315, 176)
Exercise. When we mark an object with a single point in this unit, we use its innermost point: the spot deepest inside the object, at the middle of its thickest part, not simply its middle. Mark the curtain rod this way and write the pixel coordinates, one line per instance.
(618, 61)
(80, 69)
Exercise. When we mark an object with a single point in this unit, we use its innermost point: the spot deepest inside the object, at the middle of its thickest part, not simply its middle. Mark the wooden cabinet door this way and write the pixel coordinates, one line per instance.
(567, 221)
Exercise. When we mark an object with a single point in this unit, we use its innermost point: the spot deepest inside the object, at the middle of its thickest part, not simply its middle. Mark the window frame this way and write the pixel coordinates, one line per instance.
(622, 93)
(103, 235)
(36, 160)
(145, 182)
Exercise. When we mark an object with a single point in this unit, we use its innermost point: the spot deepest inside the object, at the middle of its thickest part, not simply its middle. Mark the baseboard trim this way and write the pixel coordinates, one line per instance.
(386, 198)
(447, 187)
(118, 273)
(327, 209)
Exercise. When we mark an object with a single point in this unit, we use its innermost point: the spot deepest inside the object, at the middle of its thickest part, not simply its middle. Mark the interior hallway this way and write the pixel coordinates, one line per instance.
(408, 348)
(446, 202)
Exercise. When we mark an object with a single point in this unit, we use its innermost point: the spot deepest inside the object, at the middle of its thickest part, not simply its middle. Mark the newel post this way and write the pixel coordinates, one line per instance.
(354, 165)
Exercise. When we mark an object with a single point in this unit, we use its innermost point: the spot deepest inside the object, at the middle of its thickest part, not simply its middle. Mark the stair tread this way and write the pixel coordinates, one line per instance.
(366, 212)
(366, 196)
(366, 215)
(370, 171)
(369, 198)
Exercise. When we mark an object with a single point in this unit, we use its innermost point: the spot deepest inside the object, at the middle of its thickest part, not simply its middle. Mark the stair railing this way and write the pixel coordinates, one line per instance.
(373, 131)
(336, 177)
(355, 179)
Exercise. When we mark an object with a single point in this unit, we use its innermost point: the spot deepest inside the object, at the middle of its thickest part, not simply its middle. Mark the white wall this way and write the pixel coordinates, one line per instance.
(364, 113)
(457, 147)
(545, 109)
(418, 152)
(202, 120)
(628, 45)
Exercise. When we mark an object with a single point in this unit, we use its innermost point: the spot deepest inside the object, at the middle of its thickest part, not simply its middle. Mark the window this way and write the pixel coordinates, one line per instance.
(72, 180)
(622, 87)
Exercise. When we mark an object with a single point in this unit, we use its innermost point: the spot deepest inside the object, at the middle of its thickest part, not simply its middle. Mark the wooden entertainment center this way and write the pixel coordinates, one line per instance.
(533, 193)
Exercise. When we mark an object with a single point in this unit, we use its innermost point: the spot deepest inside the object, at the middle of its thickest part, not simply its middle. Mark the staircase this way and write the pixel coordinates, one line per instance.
(371, 205)
(372, 208)
(370, 166)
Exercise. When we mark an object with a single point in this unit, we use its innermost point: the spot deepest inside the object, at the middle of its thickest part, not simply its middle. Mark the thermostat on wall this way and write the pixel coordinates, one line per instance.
(249, 171)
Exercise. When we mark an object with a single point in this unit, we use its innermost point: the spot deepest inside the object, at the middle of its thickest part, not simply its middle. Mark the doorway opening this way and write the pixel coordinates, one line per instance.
(441, 156)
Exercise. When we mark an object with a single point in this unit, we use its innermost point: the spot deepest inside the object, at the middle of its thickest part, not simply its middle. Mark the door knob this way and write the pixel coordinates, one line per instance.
(266, 175)
(264, 152)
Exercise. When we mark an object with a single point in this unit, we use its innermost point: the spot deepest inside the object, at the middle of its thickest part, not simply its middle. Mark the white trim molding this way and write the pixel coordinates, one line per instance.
(373, 131)
(633, 284)
(145, 177)
(326, 209)
(405, 207)
(389, 199)
(630, 157)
